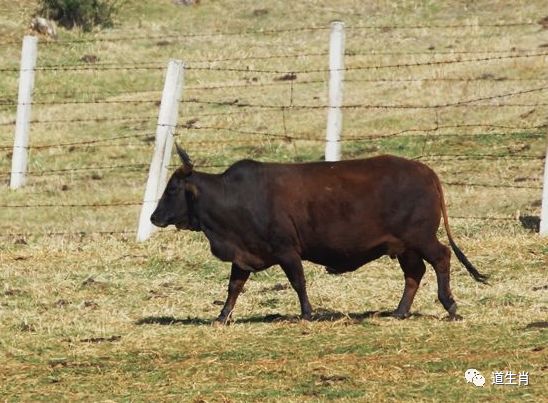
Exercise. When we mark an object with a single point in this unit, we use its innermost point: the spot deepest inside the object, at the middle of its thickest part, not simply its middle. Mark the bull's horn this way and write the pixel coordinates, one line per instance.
(185, 159)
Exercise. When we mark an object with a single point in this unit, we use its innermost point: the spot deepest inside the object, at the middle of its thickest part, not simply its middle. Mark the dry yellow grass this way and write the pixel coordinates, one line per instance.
(99, 317)
(111, 319)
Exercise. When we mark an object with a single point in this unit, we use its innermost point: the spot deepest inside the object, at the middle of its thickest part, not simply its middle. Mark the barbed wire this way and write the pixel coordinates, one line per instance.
(374, 67)
(446, 26)
(141, 119)
(87, 67)
(285, 137)
(139, 203)
(22, 236)
(484, 218)
(142, 167)
(280, 82)
(149, 66)
(437, 79)
(102, 119)
(433, 52)
(131, 167)
(284, 82)
(411, 132)
(70, 205)
(479, 157)
(103, 92)
(491, 185)
(288, 137)
(237, 103)
(65, 233)
(79, 143)
(348, 53)
(85, 102)
(126, 232)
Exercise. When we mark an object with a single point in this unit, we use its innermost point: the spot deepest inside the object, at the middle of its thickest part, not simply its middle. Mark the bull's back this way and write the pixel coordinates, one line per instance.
(374, 183)
(350, 210)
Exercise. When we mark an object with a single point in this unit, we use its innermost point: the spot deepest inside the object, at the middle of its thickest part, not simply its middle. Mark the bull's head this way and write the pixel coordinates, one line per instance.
(176, 205)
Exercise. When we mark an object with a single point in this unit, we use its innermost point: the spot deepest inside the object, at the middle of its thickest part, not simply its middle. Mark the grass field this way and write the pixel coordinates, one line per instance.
(86, 313)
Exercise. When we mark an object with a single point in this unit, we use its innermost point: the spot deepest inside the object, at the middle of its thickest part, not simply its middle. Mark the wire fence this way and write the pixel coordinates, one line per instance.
(148, 137)
(296, 85)
(147, 66)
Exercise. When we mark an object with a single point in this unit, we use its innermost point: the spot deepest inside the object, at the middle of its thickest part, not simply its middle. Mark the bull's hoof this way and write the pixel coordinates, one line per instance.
(454, 317)
(307, 317)
(400, 315)
(453, 309)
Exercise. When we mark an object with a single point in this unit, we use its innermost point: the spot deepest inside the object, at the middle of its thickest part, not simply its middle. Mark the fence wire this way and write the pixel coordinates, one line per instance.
(287, 78)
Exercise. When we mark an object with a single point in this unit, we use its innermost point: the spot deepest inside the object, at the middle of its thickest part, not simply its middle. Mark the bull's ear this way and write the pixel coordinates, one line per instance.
(185, 159)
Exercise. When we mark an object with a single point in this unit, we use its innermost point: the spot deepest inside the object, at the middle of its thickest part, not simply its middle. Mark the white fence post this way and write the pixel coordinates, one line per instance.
(544, 209)
(336, 76)
(169, 138)
(19, 160)
(167, 121)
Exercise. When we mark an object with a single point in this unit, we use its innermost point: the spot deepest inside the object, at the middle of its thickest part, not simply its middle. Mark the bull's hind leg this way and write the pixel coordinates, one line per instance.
(439, 256)
(413, 269)
(238, 277)
(293, 269)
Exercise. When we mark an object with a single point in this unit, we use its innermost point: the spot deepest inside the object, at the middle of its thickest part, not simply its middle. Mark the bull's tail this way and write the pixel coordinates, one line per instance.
(482, 278)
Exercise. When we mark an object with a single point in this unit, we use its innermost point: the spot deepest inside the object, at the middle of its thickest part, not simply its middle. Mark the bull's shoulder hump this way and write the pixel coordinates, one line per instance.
(243, 165)
(242, 169)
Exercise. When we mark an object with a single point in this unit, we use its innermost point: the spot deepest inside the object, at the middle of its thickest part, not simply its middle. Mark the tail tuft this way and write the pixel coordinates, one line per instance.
(482, 278)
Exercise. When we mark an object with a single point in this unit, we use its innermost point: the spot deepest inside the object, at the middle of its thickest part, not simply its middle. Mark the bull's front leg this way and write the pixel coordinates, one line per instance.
(238, 277)
(293, 268)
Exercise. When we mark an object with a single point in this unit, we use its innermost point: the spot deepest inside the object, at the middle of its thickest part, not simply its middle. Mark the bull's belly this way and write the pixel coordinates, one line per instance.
(243, 258)
(344, 261)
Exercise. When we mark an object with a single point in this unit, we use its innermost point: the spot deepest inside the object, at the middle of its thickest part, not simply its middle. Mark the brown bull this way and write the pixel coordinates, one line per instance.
(338, 214)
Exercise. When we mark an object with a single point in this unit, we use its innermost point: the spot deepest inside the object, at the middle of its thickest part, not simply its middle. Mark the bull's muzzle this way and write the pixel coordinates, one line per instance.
(157, 221)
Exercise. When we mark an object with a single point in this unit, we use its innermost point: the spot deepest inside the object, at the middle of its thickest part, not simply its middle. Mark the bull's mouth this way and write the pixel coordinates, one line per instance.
(159, 224)
(181, 225)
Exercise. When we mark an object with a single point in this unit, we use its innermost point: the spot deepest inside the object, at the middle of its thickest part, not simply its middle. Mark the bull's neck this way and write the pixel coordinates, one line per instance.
(211, 194)
(208, 184)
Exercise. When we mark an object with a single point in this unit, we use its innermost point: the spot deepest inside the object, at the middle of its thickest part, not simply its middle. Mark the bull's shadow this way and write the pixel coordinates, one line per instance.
(319, 316)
